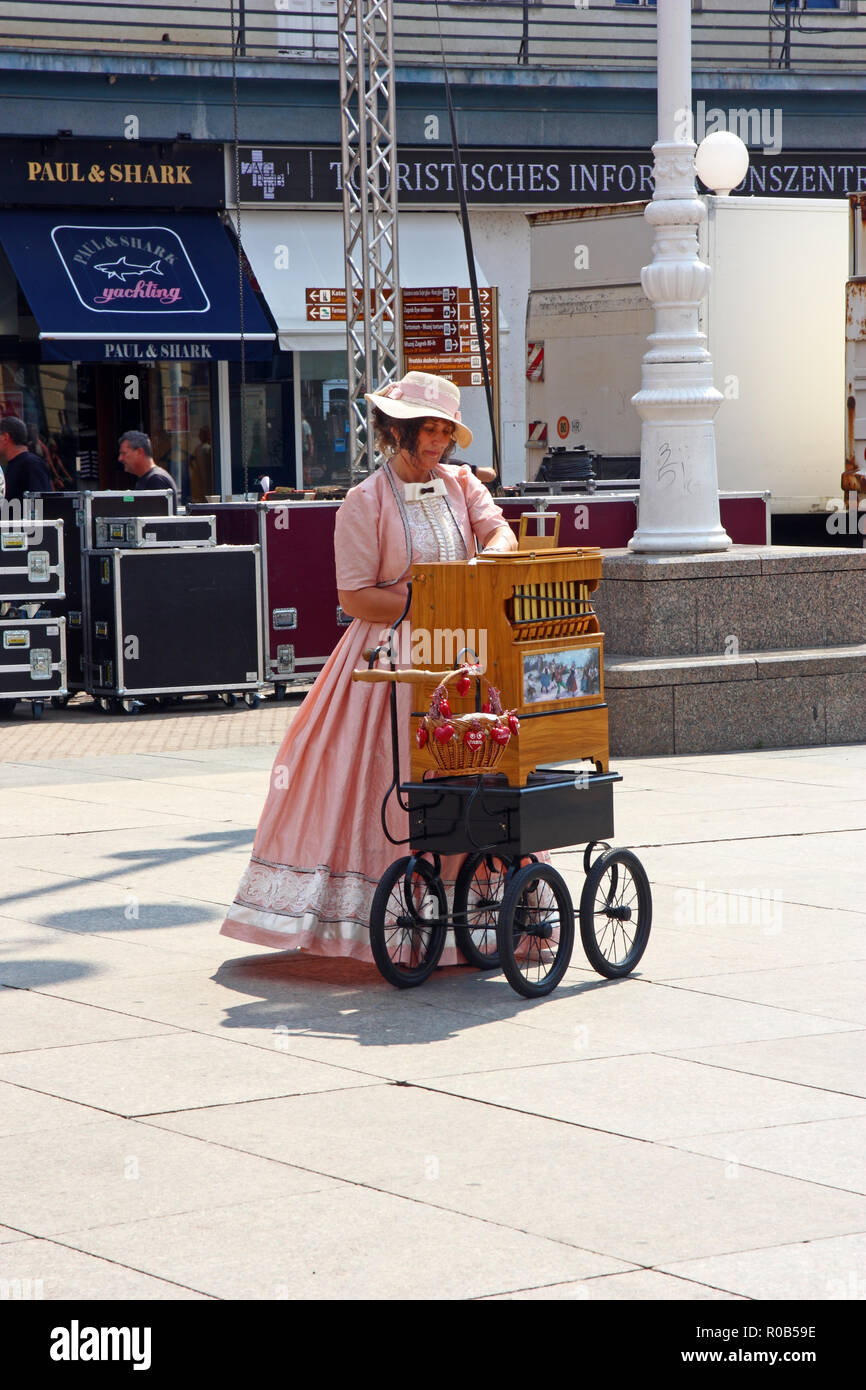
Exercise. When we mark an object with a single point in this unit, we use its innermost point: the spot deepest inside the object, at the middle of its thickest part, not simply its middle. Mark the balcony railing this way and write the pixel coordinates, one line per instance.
(789, 35)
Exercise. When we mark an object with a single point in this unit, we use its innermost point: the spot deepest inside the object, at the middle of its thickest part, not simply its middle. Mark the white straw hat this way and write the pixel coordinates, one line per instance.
(422, 396)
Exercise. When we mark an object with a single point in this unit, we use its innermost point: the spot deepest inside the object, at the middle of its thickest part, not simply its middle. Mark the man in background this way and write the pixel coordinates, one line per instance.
(136, 455)
(24, 472)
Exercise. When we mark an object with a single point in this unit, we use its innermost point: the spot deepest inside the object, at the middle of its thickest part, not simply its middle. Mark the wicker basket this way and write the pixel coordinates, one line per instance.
(471, 745)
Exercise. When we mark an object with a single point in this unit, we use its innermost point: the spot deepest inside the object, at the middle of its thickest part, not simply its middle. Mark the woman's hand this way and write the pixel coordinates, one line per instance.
(501, 542)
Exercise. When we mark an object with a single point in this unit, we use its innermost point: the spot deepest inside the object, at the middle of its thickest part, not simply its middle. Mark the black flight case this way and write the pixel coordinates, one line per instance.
(32, 661)
(172, 622)
(79, 512)
(31, 561)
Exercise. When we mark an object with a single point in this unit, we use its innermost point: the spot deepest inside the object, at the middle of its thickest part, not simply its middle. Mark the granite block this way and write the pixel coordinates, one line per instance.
(648, 620)
(817, 662)
(780, 713)
(762, 612)
(845, 599)
(629, 673)
(807, 559)
(627, 565)
(641, 722)
(846, 707)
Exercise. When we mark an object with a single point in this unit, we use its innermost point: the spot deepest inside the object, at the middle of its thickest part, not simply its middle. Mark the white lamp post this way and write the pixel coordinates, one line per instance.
(677, 402)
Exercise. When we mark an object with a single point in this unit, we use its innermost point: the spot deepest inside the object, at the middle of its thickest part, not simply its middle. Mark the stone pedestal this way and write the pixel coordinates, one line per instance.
(758, 647)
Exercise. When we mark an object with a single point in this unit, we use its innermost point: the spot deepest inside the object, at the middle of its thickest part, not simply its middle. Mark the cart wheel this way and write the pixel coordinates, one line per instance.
(536, 930)
(130, 706)
(105, 704)
(279, 691)
(478, 895)
(59, 701)
(600, 845)
(251, 699)
(36, 707)
(407, 938)
(615, 913)
(229, 698)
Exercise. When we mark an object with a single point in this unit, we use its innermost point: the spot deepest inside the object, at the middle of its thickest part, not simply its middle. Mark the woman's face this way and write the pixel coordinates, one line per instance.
(434, 436)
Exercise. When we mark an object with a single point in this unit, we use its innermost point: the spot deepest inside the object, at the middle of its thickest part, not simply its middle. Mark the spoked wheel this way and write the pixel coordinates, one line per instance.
(615, 913)
(536, 930)
(407, 929)
(478, 895)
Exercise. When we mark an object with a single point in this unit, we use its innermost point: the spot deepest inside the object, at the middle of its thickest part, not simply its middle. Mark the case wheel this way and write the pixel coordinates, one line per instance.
(7, 708)
(251, 699)
(36, 708)
(59, 701)
(229, 698)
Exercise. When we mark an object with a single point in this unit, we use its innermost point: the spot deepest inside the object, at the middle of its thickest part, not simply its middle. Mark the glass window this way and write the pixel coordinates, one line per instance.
(324, 418)
(181, 426)
(45, 396)
(269, 421)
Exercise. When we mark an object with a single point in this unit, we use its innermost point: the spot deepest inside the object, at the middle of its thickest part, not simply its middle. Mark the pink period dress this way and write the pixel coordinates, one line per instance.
(320, 850)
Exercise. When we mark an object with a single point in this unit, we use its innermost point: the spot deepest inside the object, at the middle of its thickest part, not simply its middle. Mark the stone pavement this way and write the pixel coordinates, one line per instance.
(182, 1117)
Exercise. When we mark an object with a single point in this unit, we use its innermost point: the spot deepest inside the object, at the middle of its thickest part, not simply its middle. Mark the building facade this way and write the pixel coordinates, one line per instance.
(136, 118)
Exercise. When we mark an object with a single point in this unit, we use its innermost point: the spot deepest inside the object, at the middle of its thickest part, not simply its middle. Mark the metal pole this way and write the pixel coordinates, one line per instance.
(369, 148)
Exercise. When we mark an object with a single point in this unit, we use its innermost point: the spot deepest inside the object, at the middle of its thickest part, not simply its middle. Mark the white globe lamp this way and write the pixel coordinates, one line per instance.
(721, 161)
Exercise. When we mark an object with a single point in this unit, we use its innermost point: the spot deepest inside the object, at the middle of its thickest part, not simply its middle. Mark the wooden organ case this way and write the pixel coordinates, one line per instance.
(531, 614)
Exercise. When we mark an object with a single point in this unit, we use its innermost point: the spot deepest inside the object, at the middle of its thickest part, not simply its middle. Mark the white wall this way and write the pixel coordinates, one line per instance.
(501, 244)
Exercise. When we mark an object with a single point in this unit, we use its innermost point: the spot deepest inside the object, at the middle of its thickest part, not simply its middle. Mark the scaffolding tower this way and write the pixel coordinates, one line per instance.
(369, 177)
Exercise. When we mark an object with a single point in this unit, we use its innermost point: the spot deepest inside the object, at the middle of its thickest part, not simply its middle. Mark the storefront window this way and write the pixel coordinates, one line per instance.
(45, 396)
(269, 422)
(324, 418)
(181, 426)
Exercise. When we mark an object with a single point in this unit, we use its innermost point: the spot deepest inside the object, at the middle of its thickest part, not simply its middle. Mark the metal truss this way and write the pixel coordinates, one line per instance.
(367, 119)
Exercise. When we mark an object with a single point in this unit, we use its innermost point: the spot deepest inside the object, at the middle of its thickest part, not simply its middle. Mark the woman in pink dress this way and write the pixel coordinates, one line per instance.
(320, 851)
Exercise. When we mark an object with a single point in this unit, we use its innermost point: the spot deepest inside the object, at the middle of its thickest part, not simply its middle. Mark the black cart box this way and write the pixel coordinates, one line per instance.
(172, 621)
(32, 658)
(31, 560)
(79, 512)
(133, 532)
(453, 815)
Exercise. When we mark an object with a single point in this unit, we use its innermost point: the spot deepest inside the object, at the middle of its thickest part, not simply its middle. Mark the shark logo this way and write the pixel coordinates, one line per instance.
(121, 269)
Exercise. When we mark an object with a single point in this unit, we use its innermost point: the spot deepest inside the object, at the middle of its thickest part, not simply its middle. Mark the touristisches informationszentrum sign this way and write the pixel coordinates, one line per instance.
(304, 175)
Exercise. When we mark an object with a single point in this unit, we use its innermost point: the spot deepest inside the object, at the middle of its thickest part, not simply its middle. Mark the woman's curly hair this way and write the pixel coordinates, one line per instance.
(394, 435)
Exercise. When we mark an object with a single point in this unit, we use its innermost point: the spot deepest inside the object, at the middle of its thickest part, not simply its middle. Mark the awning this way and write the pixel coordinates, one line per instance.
(293, 252)
(133, 287)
